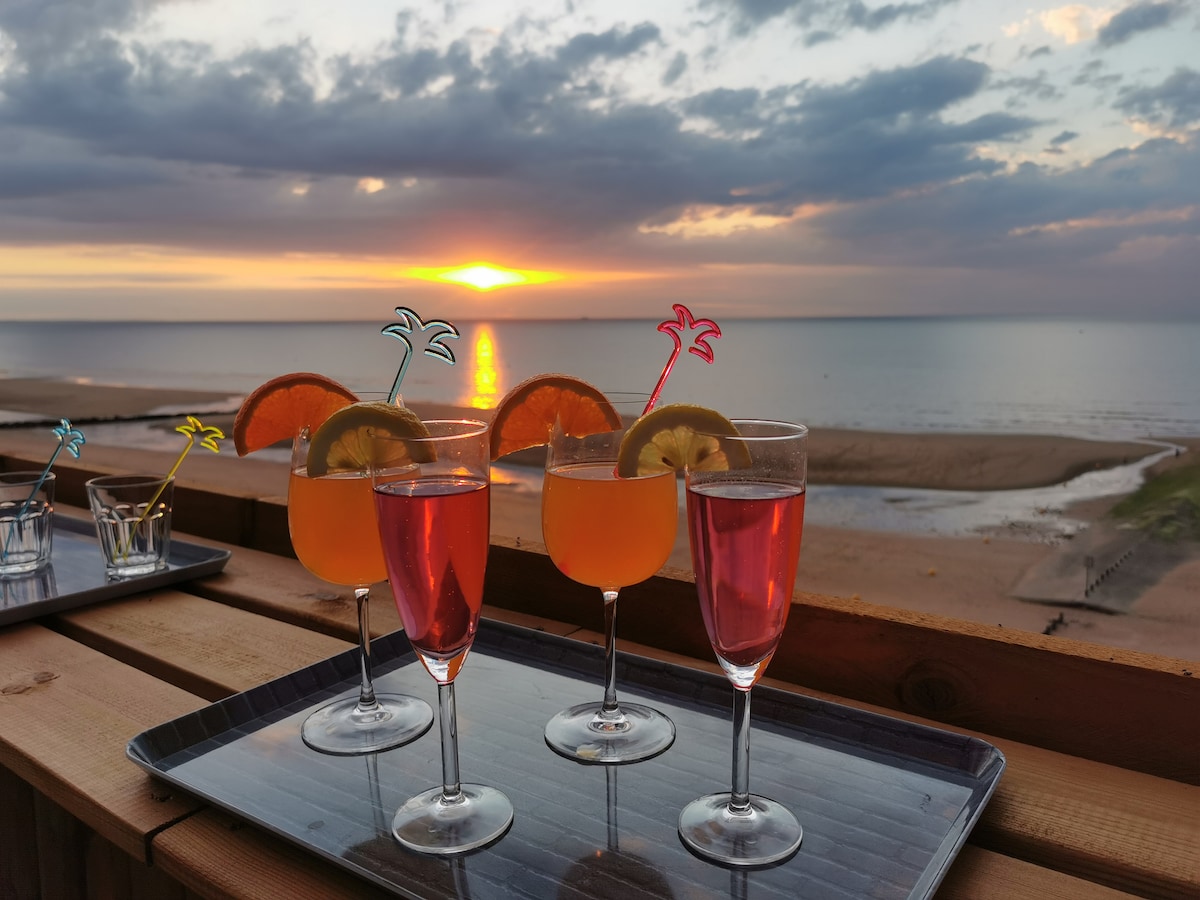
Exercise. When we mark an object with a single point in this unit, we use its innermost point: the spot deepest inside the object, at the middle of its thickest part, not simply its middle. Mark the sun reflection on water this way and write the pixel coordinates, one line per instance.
(484, 380)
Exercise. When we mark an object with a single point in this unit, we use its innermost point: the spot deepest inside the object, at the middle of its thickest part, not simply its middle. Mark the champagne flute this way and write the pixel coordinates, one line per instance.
(745, 525)
(435, 531)
(334, 533)
(609, 533)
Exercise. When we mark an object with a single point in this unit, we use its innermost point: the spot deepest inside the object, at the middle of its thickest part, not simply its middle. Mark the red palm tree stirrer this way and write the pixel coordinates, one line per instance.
(684, 320)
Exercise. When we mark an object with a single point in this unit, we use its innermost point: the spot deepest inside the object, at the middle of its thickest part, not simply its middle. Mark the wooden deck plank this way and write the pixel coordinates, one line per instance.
(982, 875)
(203, 647)
(66, 714)
(19, 877)
(221, 858)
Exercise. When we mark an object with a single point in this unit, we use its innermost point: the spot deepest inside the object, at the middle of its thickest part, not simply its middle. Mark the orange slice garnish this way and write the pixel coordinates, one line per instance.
(528, 412)
(277, 410)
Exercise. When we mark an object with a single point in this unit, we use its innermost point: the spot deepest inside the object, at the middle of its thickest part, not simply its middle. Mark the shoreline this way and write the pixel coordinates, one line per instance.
(948, 461)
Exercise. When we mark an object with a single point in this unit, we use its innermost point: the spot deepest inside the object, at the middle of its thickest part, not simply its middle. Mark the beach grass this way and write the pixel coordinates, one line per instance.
(1167, 506)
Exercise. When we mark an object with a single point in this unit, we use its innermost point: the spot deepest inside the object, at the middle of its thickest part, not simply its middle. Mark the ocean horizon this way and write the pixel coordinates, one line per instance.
(1085, 377)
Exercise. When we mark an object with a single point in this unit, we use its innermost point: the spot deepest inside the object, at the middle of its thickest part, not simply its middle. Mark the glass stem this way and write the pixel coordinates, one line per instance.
(448, 722)
(609, 709)
(366, 693)
(739, 796)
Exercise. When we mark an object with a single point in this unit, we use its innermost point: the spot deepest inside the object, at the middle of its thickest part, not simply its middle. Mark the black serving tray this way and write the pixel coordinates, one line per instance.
(76, 575)
(885, 804)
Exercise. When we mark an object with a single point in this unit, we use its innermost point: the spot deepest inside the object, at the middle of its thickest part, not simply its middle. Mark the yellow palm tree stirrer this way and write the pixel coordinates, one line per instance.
(193, 429)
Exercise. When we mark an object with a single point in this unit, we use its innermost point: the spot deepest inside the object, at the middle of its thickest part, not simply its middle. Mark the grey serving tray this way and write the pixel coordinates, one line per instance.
(885, 804)
(76, 575)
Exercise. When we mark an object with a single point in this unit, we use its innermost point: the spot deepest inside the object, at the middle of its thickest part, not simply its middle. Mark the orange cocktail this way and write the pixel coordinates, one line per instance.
(605, 531)
(333, 526)
(334, 531)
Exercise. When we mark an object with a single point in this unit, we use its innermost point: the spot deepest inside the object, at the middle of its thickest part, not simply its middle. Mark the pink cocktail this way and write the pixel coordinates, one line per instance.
(434, 527)
(745, 525)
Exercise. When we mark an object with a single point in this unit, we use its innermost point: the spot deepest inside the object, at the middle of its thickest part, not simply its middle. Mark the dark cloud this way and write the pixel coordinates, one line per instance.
(991, 222)
(675, 70)
(1136, 19)
(533, 154)
(525, 116)
(923, 90)
(877, 18)
(752, 13)
(1175, 102)
(1022, 91)
(828, 19)
(43, 29)
(616, 43)
(727, 108)
(1095, 74)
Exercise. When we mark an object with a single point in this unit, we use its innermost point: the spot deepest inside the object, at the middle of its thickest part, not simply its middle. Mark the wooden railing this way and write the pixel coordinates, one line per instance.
(1098, 797)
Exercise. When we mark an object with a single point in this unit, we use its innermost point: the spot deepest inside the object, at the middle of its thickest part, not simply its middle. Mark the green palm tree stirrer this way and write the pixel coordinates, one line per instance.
(439, 332)
(192, 429)
(69, 439)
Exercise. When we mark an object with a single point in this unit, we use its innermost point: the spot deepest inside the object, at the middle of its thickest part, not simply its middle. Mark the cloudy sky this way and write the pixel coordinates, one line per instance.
(214, 159)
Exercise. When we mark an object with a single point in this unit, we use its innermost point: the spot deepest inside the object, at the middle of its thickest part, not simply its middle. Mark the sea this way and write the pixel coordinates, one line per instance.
(1083, 377)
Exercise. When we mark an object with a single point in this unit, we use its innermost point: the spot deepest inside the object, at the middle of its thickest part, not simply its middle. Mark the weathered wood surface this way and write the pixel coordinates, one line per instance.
(204, 648)
(1099, 796)
(221, 858)
(981, 875)
(1122, 828)
(66, 714)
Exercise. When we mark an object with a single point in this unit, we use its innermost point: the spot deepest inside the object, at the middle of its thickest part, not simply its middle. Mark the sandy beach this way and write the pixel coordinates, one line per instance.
(970, 577)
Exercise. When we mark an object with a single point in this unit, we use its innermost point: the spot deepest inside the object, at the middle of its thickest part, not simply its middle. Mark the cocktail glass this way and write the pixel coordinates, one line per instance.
(133, 522)
(609, 533)
(26, 522)
(435, 531)
(745, 525)
(336, 537)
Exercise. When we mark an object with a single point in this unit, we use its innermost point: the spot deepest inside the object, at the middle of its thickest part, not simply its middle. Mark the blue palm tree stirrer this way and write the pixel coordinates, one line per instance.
(70, 439)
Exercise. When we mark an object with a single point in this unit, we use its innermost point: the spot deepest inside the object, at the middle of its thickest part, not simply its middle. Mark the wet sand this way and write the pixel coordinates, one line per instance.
(961, 577)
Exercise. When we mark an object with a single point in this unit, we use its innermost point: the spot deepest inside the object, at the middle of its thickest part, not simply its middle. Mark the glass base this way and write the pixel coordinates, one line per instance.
(429, 824)
(580, 733)
(342, 729)
(765, 833)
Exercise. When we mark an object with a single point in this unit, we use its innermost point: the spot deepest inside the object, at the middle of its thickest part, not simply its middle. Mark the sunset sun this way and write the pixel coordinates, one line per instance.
(481, 276)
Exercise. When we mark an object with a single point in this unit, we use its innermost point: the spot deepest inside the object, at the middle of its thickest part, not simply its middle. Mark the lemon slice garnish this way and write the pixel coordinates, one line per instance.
(677, 437)
(345, 442)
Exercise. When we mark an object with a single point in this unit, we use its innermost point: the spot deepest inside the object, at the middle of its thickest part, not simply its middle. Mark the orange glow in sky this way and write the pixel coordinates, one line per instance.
(483, 276)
